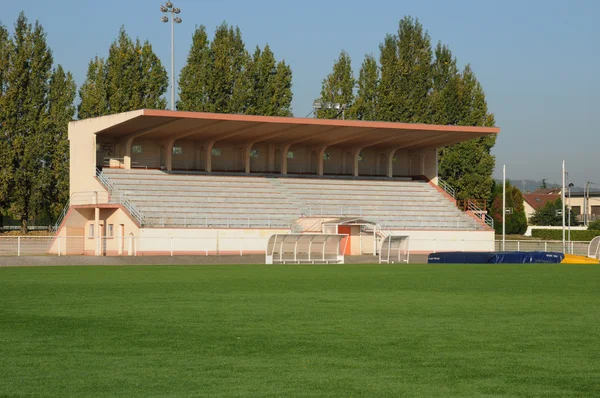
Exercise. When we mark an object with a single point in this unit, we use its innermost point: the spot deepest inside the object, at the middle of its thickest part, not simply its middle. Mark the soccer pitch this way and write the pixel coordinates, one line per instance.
(282, 331)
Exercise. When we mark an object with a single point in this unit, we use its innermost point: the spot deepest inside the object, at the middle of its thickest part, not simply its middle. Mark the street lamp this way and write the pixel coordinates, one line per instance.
(571, 185)
(170, 8)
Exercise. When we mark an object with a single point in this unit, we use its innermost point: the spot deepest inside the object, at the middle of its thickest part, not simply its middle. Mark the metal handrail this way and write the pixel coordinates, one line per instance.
(485, 216)
(122, 197)
(446, 187)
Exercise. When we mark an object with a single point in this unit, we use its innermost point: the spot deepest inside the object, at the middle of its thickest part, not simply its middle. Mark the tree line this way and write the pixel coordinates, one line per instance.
(412, 82)
(408, 82)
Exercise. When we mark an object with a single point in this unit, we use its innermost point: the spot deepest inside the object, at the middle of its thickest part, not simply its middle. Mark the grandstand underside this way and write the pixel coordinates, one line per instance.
(147, 174)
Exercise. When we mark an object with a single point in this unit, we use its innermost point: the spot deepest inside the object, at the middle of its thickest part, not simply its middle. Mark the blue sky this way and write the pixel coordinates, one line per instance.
(537, 60)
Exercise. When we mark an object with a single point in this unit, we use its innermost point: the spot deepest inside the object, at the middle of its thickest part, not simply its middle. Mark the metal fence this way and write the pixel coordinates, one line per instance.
(577, 248)
(222, 243)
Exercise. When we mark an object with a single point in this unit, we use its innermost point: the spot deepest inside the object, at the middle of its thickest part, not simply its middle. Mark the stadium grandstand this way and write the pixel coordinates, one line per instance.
(152, 173)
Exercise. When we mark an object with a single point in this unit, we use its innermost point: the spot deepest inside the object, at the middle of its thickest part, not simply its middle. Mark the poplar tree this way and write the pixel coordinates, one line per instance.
(228, 60)
(269, 85)
(338, 87)
(61, 111)
(414, 68)
(93, 92)
(5, 152)
(411, 83)
(131, 77)
(365, 107)
(221, 76)
(468, 166)
(194, 77)
(23, 121)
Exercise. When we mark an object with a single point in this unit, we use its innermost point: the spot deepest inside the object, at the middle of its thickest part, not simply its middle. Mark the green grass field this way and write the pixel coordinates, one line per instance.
(282, 331)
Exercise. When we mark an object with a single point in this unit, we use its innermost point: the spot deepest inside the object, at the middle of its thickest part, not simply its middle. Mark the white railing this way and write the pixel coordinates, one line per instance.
(472, 207)
(118, 197)
(218, 222)
(334, 211)
(446, 187)
(459, 225)
(577, 248)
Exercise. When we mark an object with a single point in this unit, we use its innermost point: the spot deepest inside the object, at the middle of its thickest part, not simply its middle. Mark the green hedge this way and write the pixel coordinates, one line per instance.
(556, 234)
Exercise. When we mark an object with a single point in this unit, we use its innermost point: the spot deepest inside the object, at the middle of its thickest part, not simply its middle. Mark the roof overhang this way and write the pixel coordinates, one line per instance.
(166, 125)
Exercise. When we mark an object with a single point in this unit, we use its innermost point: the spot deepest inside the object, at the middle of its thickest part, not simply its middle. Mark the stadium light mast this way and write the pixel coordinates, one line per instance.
(562, 197)
(168, 7)
(320, 104)
(504, 208)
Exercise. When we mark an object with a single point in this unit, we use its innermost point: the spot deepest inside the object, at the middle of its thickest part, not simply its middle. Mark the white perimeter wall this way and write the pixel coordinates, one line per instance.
(161, 241)
(157, 241)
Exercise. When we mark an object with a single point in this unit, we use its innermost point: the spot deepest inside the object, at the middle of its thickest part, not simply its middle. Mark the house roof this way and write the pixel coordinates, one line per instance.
(537, 201)
(547, 191)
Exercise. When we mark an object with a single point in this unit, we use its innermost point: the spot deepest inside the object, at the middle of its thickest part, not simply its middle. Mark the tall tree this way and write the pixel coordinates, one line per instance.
(269, 85)
(365, 106)
(220, 76)
(131, 77)
(516, 222)
(194, 77)
(5, 150)
(61, 111)
(468, 165)
(93, 92)
(228, 57)
(444, 99)
(23, 108)
(414, 83)
(338, 87)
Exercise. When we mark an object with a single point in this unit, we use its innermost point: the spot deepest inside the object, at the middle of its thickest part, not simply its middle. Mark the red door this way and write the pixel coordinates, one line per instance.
(345, 243)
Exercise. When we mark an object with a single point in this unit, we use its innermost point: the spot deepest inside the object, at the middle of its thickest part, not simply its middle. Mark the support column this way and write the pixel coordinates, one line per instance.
(320, 155)
(127, 154)
(169, 154)
(284, 159)
(208, 158)
(390, 156)
(355, 154)
(247, 150)
(97, 231)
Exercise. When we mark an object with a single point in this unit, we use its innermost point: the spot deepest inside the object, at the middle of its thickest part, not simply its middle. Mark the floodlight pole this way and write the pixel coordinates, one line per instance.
(170, 8)
(562, 194)
(504, 208)
(172, 62)
(569, 207)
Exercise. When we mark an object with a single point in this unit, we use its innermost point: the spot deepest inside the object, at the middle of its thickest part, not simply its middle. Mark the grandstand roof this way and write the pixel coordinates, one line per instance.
(163, 124)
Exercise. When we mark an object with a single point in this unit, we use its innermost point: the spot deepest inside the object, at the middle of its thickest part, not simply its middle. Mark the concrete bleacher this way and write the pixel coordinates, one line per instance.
(201, 200)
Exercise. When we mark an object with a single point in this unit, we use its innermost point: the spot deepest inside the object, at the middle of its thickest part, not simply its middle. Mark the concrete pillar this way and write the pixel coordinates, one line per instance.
(208, 156)
(284, 159)
(355, 155)
(169, 154)
(97, 233)
(247, 151)
(320, 155)
(127, 154)
(390, 157)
